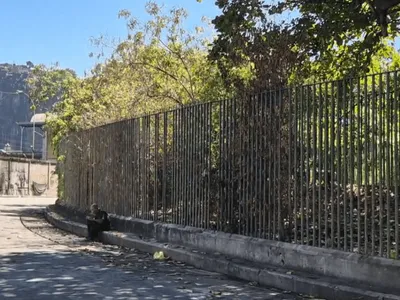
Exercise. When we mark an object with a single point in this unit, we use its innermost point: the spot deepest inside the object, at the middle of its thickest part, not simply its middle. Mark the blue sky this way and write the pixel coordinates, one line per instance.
(50, 31)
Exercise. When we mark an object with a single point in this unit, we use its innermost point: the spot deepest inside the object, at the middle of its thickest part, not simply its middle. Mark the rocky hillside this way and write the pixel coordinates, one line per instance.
(15, 107)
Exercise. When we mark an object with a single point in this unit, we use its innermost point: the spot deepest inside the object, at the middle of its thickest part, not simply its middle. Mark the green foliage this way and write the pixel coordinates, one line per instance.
(289, 40)
(250, 49)
(386, 59)
(157, 67)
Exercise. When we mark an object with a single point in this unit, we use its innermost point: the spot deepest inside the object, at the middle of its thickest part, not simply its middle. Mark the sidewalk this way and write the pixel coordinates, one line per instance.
(301, 283)
(58, 265)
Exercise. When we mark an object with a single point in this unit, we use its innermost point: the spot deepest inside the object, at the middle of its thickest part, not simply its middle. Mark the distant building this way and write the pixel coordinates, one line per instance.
(46, 152)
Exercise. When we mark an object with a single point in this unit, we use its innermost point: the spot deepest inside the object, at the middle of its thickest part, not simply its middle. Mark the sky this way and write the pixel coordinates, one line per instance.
(59, 31)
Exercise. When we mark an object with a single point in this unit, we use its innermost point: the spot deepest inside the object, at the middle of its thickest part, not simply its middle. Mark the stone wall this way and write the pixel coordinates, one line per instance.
(22, 177)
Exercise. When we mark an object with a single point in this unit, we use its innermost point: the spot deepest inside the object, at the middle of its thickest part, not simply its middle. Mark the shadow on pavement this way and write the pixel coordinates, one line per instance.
(24, 205)
(61, 275)
(84, 270)
(21, 212)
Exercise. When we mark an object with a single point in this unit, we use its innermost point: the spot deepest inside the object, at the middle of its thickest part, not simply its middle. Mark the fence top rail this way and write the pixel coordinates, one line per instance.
(27, 160)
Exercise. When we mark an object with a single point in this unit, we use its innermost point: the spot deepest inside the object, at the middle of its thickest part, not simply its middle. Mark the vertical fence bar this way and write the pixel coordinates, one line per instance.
(188, 141)
(307, 164)
(359, 164)
(178, 162)
(196, 166)
(366, 155)
(108, 158)
(302, 165)
(116, 144)
(232, 167)
(240, 173)
(148, 165)
(344, 121)
(165, 158)
(278, 152)
(143, 171)
(175, 167)
(270, 162)
(184, 178)
(197, 162)
(314, 166)
(182, 113)
(223, 159)
(274, 164)
(263, 164)
(156, 168)
(132, 165)
(290, 166)
(191, 137)
(319, 120)
(203, 165)
(326, 166)
(131, 149)
(396, 160)
(187, 217)
(352, 167)
(122, 175)
(210, 140)
(295, 164)
(220, 172)
(373, 166)
(150, 169)
(340, 90)
(124, 167)
(332, 164)
(247, 131)
(389, 175)
(145, 199)
(251, 170)
(138, 169)
(175, 199)
(381, 166)
(193, 146)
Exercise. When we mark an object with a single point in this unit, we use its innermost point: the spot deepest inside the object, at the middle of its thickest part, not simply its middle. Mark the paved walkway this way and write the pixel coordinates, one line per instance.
(45, 263)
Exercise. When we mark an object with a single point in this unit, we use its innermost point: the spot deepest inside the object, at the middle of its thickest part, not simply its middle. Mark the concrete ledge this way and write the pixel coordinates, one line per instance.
(321, 261)
(311, 286)
(326, 262)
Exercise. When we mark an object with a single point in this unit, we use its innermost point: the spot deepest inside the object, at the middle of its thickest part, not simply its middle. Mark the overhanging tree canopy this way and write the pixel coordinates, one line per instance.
(343, 34)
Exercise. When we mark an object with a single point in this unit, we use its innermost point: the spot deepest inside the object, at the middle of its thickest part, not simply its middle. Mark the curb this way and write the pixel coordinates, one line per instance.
(265, 277)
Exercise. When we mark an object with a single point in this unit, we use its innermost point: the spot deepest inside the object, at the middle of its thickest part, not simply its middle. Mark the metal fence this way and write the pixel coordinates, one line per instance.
(315, 165)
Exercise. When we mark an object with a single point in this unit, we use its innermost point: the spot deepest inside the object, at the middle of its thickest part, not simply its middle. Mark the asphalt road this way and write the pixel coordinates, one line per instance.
(38, 261)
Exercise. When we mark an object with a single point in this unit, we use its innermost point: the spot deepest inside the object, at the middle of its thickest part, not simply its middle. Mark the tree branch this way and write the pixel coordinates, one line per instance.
(172, 76)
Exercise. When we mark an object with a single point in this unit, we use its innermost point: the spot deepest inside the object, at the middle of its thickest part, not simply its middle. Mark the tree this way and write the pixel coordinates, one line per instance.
(157, 67)
(250, 49)
(172, 60)
(346, 34)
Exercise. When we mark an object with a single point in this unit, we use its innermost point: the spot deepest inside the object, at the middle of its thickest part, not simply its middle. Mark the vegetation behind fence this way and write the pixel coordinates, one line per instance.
(315, 165)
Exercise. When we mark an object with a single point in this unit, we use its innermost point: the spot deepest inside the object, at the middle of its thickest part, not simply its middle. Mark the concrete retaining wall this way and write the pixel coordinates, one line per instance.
(373, 271)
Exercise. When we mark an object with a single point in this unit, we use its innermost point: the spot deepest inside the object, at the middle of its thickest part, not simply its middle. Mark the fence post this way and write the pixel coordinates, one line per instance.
(8, 176)
(29, 177)
(48, 175)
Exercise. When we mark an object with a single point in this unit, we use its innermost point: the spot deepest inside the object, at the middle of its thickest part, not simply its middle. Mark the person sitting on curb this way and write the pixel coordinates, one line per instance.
(97, 221)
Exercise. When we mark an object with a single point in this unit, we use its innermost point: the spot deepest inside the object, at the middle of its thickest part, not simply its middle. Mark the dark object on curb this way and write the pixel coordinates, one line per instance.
(97, 221)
